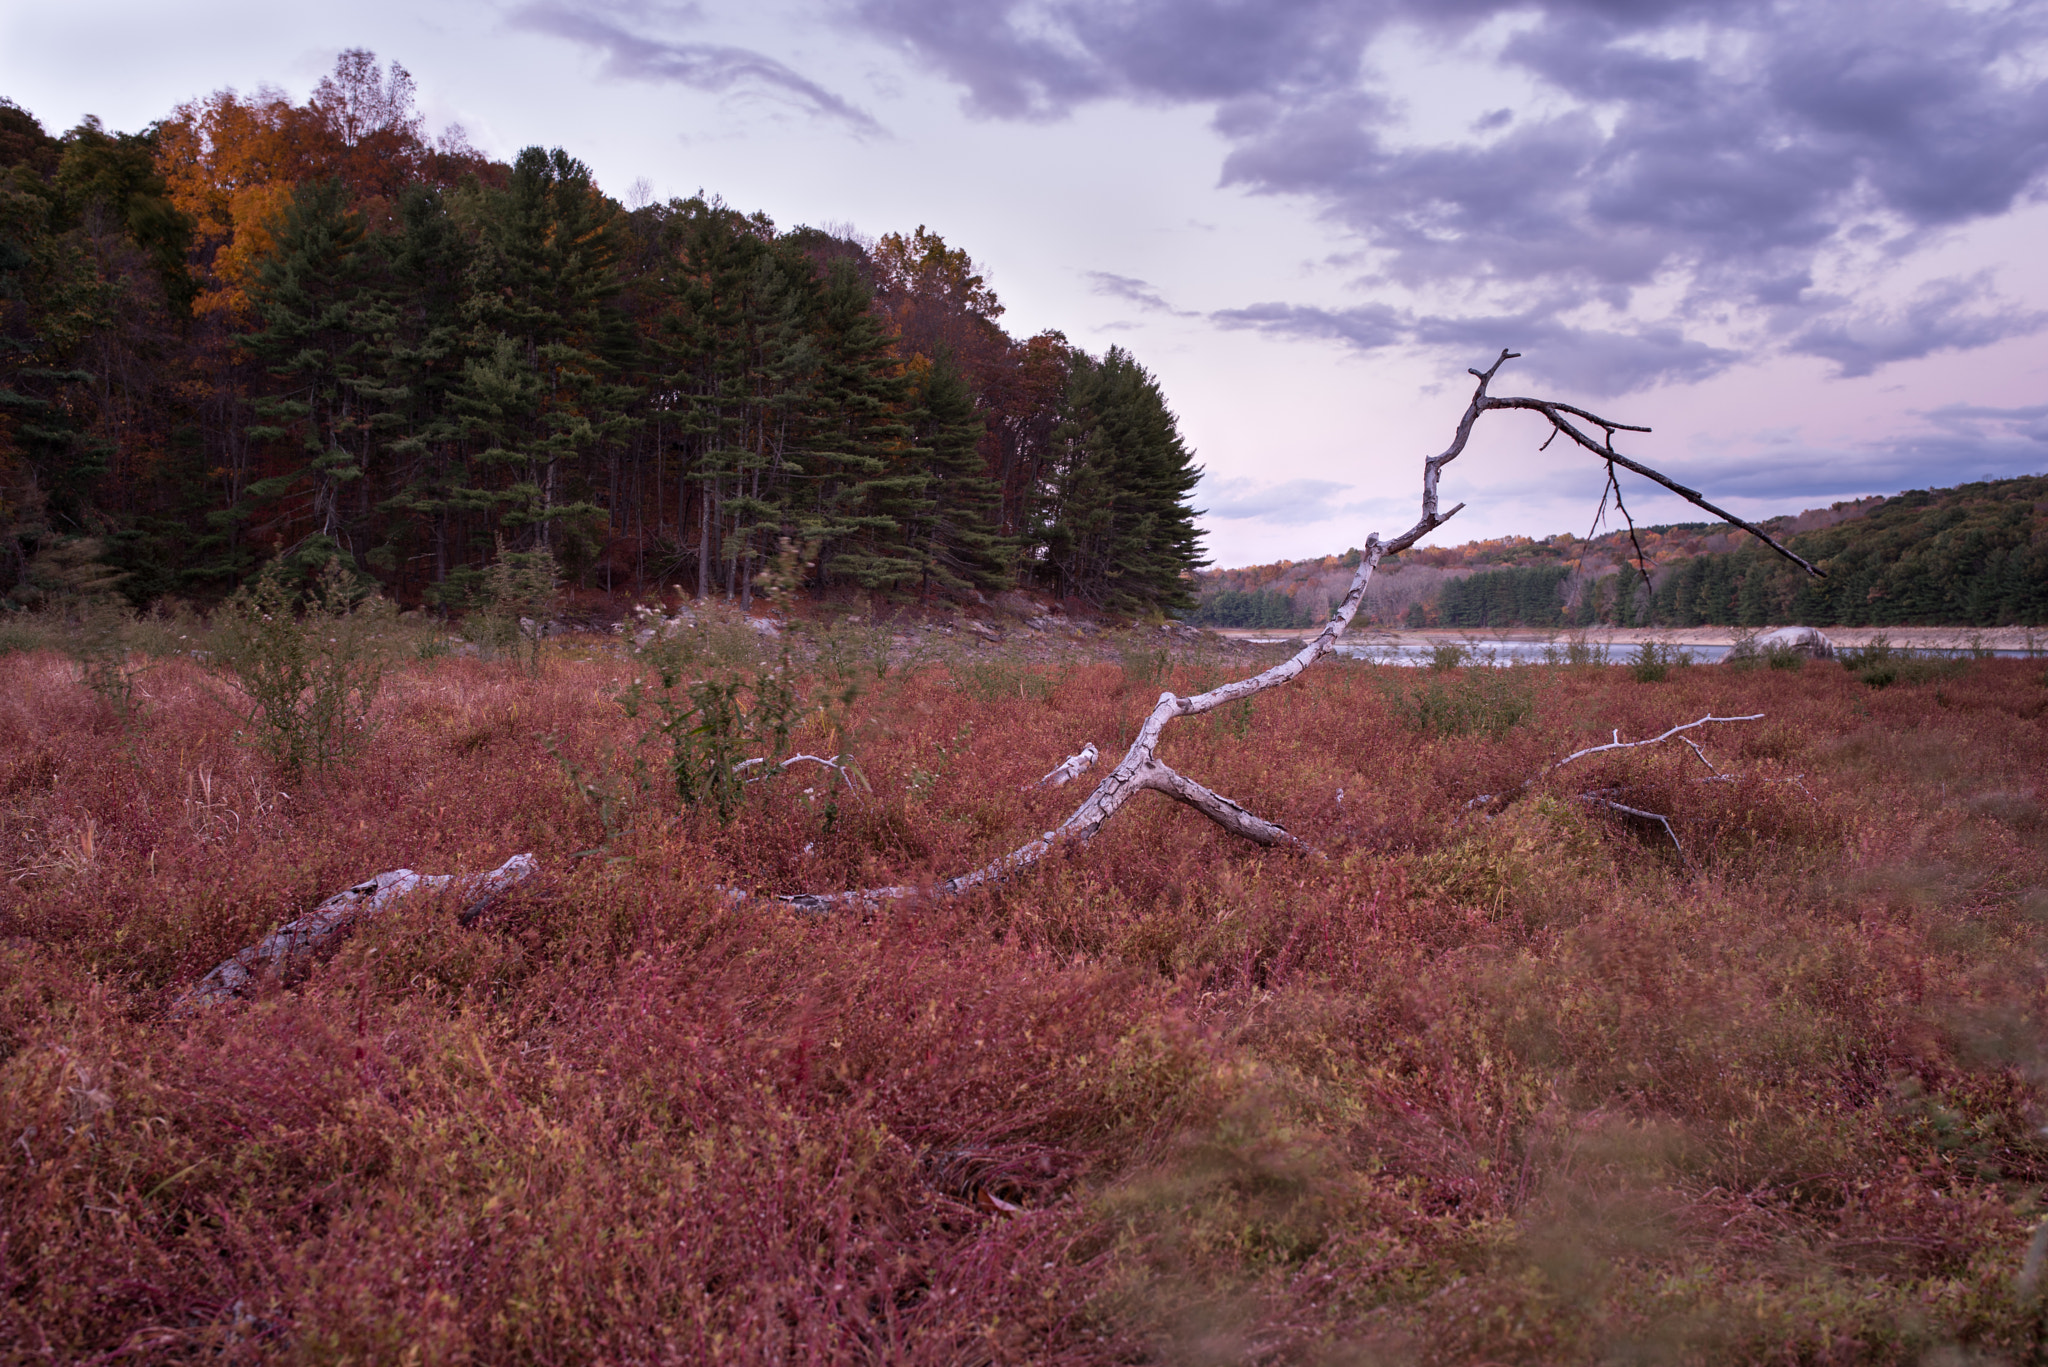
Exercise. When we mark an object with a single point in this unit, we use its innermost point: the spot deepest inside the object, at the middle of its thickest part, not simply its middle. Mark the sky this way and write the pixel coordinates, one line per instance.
(1801, 241)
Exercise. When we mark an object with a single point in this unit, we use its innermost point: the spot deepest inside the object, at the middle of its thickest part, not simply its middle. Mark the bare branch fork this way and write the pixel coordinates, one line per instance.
(852, 780)
(1142, 770)
(1486, 799)
(1599, 799)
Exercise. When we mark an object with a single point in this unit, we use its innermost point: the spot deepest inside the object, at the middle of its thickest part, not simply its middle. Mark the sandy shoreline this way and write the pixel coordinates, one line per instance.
(1915, 638)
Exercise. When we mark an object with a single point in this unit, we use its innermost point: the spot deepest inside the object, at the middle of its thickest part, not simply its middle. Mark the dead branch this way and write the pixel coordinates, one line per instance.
(1487, 799)
(1664, 821)
(288, 954)
(1619, 744)
(1604, 448)
(1141, 769)
(847, 776)
(1072, 767)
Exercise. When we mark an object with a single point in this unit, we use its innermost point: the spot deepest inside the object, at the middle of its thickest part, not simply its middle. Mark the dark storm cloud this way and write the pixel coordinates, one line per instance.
(1724, 147)
(714, 67)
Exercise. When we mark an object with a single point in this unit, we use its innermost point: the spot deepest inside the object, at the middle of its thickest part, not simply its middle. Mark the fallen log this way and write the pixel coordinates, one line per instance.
(287, 955)
(1070, 768)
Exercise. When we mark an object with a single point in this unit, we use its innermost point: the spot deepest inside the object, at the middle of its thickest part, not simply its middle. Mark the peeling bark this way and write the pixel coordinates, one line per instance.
(1072, 767)
(288, 954)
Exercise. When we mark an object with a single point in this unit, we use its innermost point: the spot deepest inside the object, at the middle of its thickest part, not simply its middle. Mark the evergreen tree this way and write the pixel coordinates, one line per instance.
(954, 527)
(1115, 526)
(418, 356)
(857, 451)
(307, 295)
(540, 387)
(54, 300)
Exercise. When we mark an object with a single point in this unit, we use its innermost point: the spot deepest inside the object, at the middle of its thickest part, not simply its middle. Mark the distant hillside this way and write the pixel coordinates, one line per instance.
(1973, 555)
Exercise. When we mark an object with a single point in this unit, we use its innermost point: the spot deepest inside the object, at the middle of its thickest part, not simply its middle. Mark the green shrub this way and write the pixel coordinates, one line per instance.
(1575, 651)
(22, 632)
(1481, 702)
(706, 636)
(1145, 665)
(995, 681)
(310, 675)
(728, 731)
(516, 597)
(1880, 664)
(1653, 662)
(97, 640)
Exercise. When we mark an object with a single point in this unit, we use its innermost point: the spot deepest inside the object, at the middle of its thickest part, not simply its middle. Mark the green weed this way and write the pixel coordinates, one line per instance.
(519, 592)
(310, 674)
(999, 681)
(1480, 702)
(1653, 662)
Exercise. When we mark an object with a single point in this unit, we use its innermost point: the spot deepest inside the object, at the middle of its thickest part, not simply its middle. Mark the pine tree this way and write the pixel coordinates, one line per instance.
(541, 387)
(419, 347)
(307, 295)
(1115, 526)
(856, 451)
(954, 530)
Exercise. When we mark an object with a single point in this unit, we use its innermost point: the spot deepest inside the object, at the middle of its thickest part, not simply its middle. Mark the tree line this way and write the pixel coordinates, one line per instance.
(263, 331)
(1973, 555)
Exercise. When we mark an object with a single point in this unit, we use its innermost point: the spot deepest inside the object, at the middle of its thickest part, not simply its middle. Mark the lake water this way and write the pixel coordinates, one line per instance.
(1508, 652)
(1538, 652)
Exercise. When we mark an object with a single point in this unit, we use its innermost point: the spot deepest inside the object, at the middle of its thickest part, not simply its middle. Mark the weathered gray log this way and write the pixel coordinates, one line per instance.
(1072, 767)
(288, 954)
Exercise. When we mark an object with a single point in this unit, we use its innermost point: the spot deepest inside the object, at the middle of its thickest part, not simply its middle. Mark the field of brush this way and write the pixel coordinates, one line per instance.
(1514, 1083)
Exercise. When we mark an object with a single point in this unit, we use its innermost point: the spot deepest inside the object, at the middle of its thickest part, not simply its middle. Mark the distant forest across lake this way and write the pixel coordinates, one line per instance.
(1973, 555)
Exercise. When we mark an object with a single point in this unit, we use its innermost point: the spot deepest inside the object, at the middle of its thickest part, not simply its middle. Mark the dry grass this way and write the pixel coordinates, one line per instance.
(1510, 1090)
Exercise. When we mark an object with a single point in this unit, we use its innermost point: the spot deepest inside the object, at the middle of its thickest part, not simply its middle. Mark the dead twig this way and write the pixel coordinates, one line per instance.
(1487, 799)
(1661, 820)
(853, 780)
(1619, 744)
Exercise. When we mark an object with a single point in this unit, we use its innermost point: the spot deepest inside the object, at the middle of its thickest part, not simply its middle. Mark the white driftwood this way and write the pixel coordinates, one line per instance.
(1619, 744)
(1488, 799)
(288, 954)
(1141, 769)
(1072, 767)
(852, 780)
(1600, 801)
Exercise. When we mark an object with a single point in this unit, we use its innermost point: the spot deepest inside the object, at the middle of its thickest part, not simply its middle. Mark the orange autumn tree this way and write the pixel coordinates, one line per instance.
(232, 162)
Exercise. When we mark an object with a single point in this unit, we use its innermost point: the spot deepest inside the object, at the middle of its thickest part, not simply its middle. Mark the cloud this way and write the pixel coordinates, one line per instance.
(1289, 503)
(1950, 445)
(1022, 59)
(1598, 361)
(1943, 315)
(1135, 291)
(1367, 327)
(701, 66)
(1680, 162)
